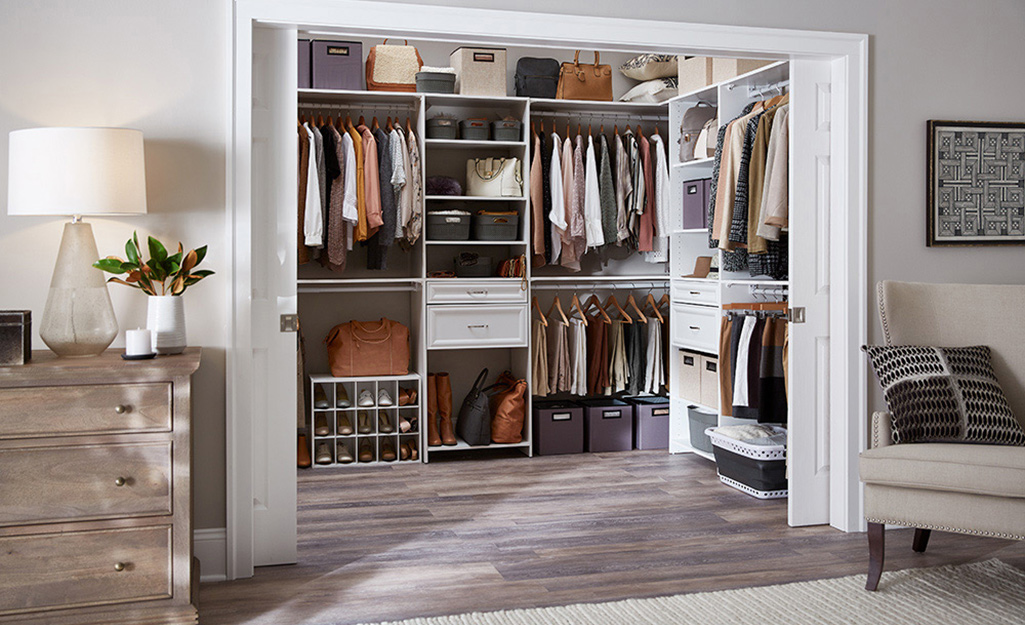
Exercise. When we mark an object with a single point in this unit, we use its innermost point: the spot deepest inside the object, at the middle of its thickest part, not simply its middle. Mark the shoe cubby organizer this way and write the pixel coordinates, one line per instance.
(359, 422)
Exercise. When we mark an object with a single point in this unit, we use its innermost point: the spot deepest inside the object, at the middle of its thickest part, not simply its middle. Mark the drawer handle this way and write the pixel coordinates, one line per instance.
(120, 481)
(695, 328)
(480, 292)
(695, 292)
(121, 408)
(477, 326)
(120, 566)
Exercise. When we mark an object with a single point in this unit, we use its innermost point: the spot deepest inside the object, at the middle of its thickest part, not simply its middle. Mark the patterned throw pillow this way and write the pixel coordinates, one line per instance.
(652, 91)
(649, 66)
(944, 395)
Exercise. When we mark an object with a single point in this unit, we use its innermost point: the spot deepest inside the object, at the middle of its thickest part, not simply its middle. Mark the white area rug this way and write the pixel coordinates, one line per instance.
(984, 593)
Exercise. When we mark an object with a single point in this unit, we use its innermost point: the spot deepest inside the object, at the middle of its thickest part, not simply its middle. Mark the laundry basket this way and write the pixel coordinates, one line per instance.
(757, 467)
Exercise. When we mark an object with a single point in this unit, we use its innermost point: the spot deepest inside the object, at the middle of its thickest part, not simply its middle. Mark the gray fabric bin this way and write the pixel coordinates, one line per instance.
(651, 422)
(506, 130)
(435, 82)
(448, 227)
(558, 428)
(496, 227)
(608, 424)
(337, 65)
(700, 420)
(480, 268)
(474, 130)
(442, 128)
(305, 65)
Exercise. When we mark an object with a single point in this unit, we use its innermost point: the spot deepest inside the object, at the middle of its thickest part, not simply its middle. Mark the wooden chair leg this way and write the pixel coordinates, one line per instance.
(921, 539)
(876, 549)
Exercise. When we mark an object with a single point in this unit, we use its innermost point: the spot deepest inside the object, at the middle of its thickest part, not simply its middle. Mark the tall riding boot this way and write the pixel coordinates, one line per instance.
(433, 438)
(444, 385)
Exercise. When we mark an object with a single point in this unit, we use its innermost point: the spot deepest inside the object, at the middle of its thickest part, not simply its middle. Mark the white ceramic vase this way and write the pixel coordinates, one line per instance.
(165, 317)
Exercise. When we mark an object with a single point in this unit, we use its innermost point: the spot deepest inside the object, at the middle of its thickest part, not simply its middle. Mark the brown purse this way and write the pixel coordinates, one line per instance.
(508, 409)
(585, 82)
(362, 348)
(393, 68)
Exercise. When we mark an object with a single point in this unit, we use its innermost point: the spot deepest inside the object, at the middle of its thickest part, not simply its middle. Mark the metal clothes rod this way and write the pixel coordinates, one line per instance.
(355, 106)
(638, 285)
(654, 118)
(762, 89)
(356, 288)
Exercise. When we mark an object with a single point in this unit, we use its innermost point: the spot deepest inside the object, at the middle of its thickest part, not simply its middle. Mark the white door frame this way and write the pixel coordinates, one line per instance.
(848, 194)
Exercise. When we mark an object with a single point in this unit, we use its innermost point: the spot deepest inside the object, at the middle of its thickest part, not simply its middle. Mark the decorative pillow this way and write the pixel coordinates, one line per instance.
(648, 66)
(944, 395)
(653, 91)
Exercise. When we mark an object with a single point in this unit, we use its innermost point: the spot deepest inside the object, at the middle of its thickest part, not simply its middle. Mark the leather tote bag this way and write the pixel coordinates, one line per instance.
(579, 81)
(508, 409)
(474, 424)
(363, 348)
(537, 78)
(704, 146)
(691, 125)
(494, 177)
(393, 68)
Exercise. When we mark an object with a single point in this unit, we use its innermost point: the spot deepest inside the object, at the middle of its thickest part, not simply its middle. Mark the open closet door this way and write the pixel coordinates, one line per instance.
(808, 446)
(273, 256)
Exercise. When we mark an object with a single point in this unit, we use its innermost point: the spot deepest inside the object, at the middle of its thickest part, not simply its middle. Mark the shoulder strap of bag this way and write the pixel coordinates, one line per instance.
(478, 385)
(405, 42)
(488, 162)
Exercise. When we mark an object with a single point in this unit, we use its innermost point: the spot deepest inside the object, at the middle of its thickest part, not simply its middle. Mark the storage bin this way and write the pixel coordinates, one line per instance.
(651, 422)
(435, 82)
(496, 227)
(725, 69)
(695, 204)
(305, 65)
(479, 71)
(608, 424)
(448, 226)
(558, 428)
(689, 365)
(474, 130)
(757, 467)
(710, 381)
(15, 337)
(480, 267)
(506, 130)
(337, 65)
(442, 128)
(694, 73)
(700, 420)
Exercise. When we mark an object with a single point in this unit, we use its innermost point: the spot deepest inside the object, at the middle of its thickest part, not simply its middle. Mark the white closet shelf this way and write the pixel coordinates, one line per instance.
(686, 279)
(472, 242)
(462, 445)
(324, 378)
(698, 162)
(340, 285)
(583, 107)
(708, 94)
(473, 198)
(465, 143)
(755, 282)
(455, 99)
(692, 231)
(638, 278)
(457, 280)
(368, 98)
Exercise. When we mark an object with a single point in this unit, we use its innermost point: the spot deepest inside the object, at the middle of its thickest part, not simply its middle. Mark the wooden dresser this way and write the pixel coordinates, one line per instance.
(96, 491)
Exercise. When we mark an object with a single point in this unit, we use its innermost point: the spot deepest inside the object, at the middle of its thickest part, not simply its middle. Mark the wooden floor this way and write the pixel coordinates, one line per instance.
(458, 536)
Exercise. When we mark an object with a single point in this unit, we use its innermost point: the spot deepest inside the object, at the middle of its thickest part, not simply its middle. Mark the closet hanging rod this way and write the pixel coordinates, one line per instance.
(358, 288)
(632, 285)
(628, 116)
(762, 89)
(309, 106)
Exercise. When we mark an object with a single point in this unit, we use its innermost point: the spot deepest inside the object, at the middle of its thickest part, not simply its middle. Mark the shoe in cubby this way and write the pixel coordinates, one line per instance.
(365, 421)
(366, 449)
(366, 395)
(408, 395)
(342, 397)
(386, 422)
(322, 455)
(385, 396)
(409, 423)
(344, 447)
(343, 423)
(408, 449)
(320, 400)
(388, 450)
(321, 424)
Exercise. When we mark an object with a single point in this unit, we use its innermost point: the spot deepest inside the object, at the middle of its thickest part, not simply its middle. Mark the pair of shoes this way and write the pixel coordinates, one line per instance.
(366, 399)
(366, 451)
(344, 455)
(407, 396)
(320, 425)
(342, 399)
(323, 455)
(320, 397)
(344, 425)
(303, 456)
(407, 450)
(388, 450)
(384, 424)
(363, 423)
(407, 426)
(439, 410)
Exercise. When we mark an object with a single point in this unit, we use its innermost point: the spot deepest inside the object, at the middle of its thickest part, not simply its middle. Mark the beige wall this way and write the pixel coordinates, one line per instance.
(161, 67)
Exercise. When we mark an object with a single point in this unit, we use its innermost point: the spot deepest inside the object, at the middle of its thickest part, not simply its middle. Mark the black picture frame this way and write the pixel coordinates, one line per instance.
(975, 193)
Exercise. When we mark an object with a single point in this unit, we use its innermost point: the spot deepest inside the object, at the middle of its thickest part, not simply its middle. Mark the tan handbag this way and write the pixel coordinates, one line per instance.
(363, 348)
(393, 68)
(585, 82)
(494, 177)
(508, 409)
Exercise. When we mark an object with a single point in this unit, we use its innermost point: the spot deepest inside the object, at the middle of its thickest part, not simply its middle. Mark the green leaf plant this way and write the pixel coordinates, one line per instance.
(170, 275)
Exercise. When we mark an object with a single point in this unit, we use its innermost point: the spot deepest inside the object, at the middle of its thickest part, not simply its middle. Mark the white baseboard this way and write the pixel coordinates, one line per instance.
(211, 548)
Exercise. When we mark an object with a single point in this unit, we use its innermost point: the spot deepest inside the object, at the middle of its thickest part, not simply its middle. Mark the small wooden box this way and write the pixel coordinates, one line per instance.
(725, 69)
(15, 337)
(694, 73)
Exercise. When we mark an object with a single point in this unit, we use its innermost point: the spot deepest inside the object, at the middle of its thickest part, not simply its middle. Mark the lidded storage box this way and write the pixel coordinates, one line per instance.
(15, 337)
(608, 424)
(479, 71)
(496, 226)
(695, 204)
(756, 466)
(651, 422)
(305, 65)
(434, 80)
(337, 65)
(558, 428)
(449, 225)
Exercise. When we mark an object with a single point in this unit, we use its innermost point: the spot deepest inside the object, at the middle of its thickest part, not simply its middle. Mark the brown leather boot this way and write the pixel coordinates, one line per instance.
(433, 438)
(444, 385)
(303, 455)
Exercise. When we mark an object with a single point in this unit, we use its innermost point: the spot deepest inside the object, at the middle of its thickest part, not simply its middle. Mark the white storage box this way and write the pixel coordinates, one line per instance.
(479, 71)
(724, 69)
(694, 73)
(690, 376)
(710, 381)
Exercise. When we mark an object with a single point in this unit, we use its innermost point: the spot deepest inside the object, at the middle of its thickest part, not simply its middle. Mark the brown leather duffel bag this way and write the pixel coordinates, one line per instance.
(362, 348)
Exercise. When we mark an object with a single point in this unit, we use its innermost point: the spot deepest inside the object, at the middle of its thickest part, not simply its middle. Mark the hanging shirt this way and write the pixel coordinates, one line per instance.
(303, 183)
(574, 241)
(607, 193)
(362, 228)
(537, 221)
(636, 198)
(400, 163)
(557, 213)
(660, 220)
(741, 391)
(619, 369)
(719, 165)
(730, 178)
(580, 184)
(645, 231)
(379, 242)
(592, 199)
(336, 249)
(653, 370)
(636, 355)
(539, 358)
(371, 181)
(313, 225)
(776, 198)
(318, 141)
(558, 356)
(756, 181)
(624, 189)
(577, 357)
(597, 355)
(415, 225)
(350, 213)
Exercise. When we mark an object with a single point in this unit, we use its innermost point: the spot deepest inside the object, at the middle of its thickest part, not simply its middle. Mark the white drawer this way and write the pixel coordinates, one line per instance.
(471, 292)
(700, 293)
(481, 326)
(695, 327)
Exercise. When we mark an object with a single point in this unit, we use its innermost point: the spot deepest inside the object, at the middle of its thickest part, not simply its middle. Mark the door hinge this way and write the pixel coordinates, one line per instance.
(289, 323)
(795, 315)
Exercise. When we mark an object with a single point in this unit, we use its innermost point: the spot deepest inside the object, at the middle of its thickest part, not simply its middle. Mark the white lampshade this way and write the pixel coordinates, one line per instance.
(76, 171)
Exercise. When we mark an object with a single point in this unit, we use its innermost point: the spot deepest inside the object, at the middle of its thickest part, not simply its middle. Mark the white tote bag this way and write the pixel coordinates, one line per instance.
(494, 177)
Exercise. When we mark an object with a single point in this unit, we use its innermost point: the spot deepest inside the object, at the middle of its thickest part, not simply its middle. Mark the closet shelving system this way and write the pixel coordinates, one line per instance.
(460, 325)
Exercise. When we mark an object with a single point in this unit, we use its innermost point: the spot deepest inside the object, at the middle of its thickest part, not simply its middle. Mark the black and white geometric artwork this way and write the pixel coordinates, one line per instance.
(976, 193)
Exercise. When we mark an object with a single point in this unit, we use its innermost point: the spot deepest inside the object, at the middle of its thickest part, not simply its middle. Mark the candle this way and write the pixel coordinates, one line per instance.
(138, 342)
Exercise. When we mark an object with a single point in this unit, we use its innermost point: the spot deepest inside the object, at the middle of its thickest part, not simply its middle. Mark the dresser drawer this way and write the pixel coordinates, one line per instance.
(700, 293)
(84, 482)
(469, 292)
(695, 327)
(450, 327)
(99, 409)
(78, 568)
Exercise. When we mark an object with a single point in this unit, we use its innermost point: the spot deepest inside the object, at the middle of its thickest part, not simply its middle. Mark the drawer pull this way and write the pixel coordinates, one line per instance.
(695, 292)
(479, 292)
(120, 481)
(121, 408)
(119, 566)
(695, 328)
(477, 326)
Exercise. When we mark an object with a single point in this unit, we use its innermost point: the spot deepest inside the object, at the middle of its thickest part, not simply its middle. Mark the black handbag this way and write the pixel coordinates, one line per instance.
(537, 78)
(474, 424)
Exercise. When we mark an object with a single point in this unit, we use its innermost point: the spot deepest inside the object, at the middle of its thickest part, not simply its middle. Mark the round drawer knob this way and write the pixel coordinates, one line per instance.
(121, 408)
(120, 481)
(119, 566)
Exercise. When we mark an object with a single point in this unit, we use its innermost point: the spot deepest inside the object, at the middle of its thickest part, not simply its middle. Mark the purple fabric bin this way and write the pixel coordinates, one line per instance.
(558, 428)
(608, 424)
(695, 201)
(337, 65)
(708, 197)
(305, 67)
(651, 422)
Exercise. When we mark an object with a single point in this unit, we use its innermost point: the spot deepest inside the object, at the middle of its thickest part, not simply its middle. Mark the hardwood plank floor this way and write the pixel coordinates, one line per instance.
(500, 532)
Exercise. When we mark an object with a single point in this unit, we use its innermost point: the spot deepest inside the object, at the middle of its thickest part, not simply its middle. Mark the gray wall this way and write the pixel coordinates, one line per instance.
(162, 67)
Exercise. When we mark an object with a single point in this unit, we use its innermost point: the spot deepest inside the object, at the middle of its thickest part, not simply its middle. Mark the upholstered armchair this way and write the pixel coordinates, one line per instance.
(950, 487)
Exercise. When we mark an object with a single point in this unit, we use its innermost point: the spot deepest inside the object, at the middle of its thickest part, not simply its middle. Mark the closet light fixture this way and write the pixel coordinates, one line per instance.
(76, 172)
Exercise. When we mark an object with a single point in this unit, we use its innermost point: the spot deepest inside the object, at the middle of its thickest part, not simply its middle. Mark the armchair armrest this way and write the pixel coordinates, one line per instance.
(882, 429)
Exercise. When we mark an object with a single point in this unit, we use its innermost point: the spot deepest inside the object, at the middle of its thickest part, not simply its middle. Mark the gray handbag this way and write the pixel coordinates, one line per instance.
(690, 127)
(474, 424)
(537, 78)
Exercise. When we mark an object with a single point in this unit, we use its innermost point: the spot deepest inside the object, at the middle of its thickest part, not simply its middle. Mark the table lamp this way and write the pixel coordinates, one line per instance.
(75, 172)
